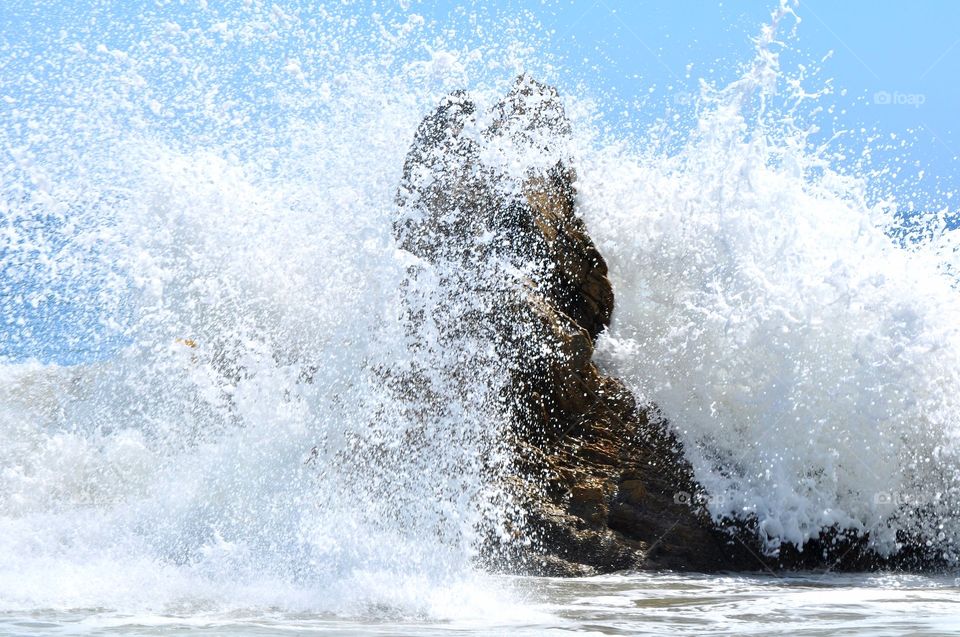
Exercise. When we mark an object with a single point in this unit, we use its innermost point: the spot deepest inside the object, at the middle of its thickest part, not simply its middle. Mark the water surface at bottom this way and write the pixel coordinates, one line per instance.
(625, 604)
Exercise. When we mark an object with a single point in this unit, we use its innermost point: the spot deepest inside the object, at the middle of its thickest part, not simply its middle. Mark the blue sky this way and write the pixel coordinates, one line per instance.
(894, 66)
(896, 62)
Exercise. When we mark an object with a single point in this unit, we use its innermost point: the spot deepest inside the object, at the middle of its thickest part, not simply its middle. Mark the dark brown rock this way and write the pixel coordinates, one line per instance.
(596, 476)
(603, 482)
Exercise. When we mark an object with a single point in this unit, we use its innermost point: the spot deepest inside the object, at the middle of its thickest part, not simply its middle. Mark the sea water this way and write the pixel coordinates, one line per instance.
(202, 301)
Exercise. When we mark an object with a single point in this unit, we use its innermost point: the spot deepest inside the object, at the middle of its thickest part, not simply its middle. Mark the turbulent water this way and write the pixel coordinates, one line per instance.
(195, 219)
(808, 362)
(809, 605)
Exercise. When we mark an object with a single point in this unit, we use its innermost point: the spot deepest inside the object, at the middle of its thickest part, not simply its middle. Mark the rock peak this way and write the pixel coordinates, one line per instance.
(512, 271)
(532, 105)
(515, 241)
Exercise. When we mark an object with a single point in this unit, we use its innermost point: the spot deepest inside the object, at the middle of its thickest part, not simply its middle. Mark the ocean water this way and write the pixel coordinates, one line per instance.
(202, 301)
(624, 604)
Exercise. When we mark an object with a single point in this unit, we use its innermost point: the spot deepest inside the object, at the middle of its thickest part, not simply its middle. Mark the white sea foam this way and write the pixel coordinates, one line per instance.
(229, 442)
(808, 362)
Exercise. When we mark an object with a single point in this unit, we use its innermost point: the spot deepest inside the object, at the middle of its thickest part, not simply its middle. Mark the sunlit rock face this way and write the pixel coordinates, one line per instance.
(509, 287)
(490, 210)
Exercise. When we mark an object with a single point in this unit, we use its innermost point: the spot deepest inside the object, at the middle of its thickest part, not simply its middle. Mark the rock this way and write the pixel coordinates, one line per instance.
(597, 476)
(602, 481)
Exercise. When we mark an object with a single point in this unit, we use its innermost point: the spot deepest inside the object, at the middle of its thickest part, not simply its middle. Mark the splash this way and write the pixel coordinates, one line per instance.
(805, 356)
(196, 216)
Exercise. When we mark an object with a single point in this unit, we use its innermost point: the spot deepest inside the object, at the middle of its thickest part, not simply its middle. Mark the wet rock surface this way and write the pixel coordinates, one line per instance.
(602, 481)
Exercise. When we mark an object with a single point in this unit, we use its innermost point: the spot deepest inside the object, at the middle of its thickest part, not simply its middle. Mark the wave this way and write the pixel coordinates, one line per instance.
(807, 359)
(214, 199)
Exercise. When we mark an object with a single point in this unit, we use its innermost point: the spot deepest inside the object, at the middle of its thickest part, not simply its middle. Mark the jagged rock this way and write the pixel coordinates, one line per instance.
(596, 475)
(602, 480)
